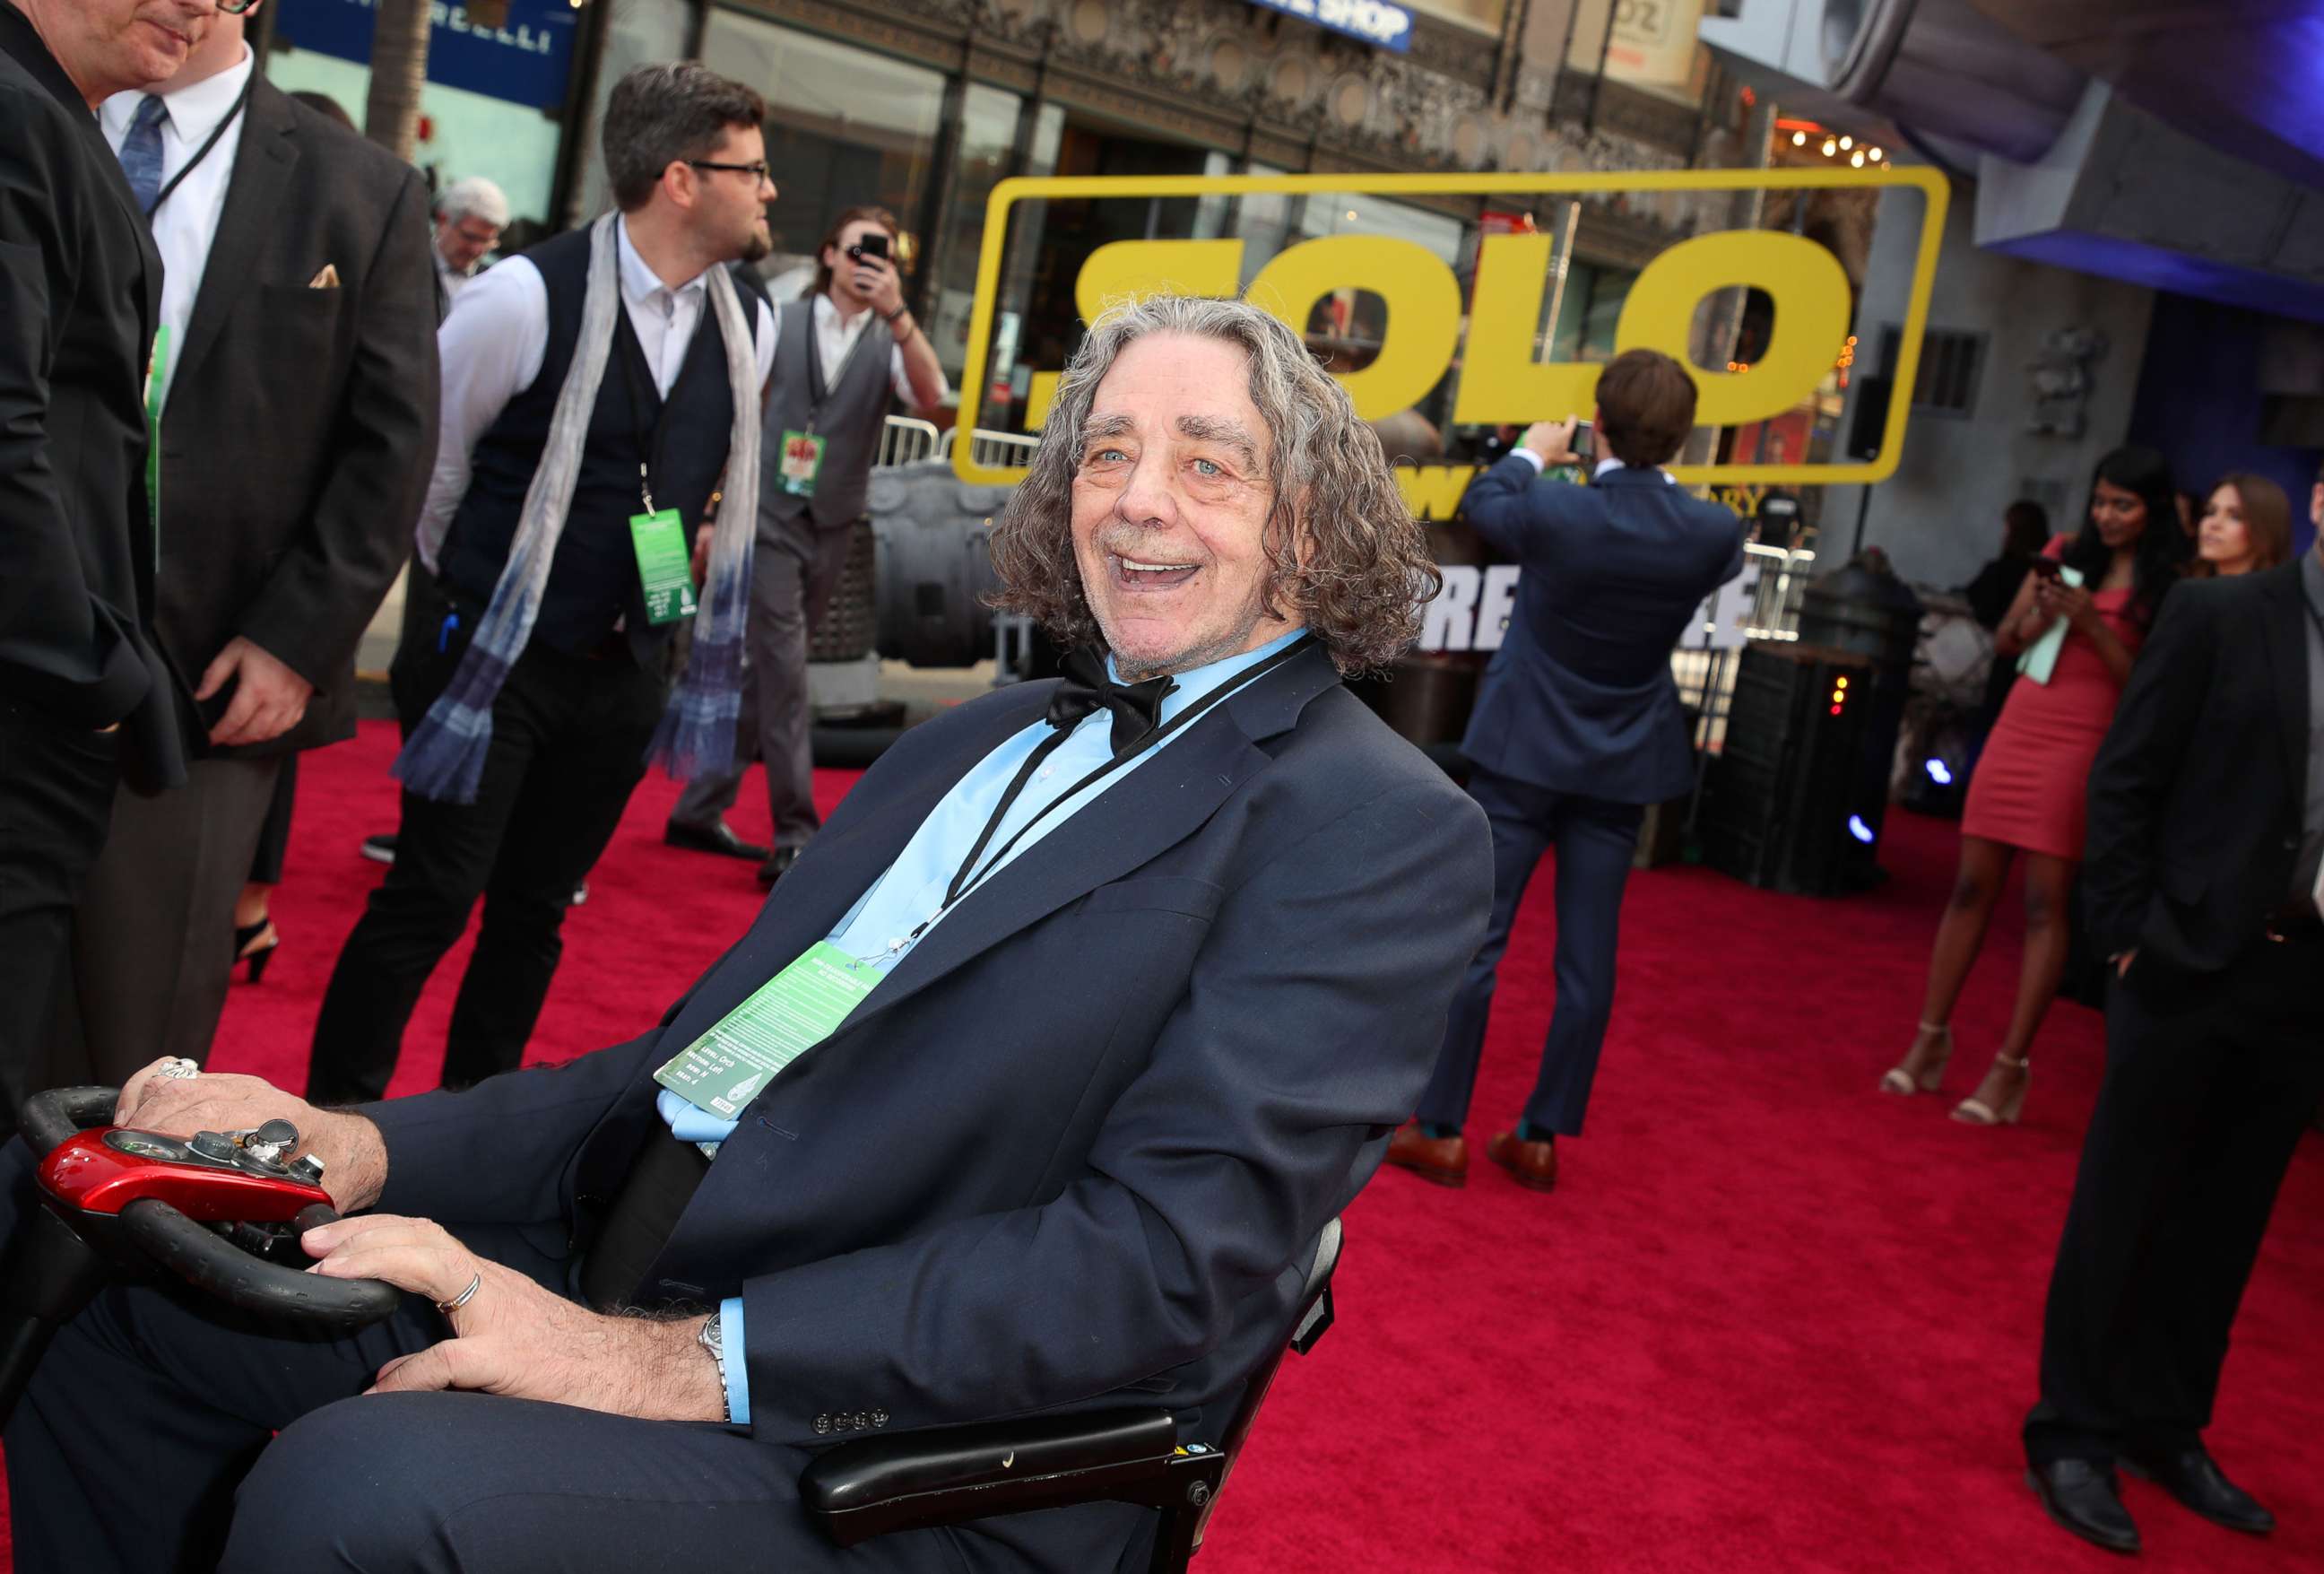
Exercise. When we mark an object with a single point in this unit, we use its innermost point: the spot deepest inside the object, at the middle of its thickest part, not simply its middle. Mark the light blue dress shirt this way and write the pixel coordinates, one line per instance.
(911, 896)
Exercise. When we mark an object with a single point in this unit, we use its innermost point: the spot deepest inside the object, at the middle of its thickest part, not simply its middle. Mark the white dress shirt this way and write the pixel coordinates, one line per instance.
(497, 334)
(834, 340)
(185, 225)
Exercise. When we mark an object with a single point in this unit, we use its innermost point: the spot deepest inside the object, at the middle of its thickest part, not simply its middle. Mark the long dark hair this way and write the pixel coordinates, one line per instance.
(2162, 546)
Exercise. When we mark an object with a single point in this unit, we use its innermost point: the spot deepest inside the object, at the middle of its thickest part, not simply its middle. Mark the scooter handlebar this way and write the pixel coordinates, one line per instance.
(209, 1261)
(47, 1118)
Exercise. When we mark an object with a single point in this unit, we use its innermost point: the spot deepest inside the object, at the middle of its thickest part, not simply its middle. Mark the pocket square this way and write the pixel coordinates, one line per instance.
(328, 279)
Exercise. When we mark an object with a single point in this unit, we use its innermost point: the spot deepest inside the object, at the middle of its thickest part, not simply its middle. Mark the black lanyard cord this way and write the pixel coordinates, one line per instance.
(1151, 738)
(217, 133)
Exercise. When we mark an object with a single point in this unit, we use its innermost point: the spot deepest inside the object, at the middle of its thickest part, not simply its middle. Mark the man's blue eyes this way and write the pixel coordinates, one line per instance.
(1204, 467)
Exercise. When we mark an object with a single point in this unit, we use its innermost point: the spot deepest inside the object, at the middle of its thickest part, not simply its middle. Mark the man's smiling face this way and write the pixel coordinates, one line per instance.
(1170, 504)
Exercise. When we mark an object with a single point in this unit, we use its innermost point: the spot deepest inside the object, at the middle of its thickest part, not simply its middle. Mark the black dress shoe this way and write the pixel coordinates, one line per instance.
(2083, 1497)
(718, 838)
(778, 864)
(2193, 1478)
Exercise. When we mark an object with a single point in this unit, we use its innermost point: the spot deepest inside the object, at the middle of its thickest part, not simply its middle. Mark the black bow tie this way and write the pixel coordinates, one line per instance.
(1136, 707)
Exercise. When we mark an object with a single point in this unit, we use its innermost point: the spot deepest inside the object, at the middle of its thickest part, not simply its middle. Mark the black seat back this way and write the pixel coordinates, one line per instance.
(1314, 1318)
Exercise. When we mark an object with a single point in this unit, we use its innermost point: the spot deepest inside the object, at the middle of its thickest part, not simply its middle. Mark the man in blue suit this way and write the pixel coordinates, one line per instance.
(1116, 988)
(1577, 728)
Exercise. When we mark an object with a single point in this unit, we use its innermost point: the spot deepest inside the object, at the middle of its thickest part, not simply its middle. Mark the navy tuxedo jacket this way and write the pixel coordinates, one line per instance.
(1078, 1148)
(1579, 698)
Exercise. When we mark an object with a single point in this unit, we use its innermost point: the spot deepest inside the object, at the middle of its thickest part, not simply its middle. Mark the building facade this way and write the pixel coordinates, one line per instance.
(923, 105)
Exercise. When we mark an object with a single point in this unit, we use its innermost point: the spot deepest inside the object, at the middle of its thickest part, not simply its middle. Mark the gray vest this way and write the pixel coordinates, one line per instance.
(850, 420)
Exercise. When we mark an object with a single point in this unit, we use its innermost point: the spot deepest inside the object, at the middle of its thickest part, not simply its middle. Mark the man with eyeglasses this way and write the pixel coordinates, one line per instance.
(85, 698)
(600, 396)
(469, 218)
(847, 346)
(292, 403)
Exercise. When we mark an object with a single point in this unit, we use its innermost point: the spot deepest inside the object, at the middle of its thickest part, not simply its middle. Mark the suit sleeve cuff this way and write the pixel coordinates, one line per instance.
(737, 1370)
(1529, 456)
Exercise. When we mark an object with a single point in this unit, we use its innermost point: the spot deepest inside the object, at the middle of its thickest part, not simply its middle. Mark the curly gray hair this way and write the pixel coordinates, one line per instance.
(1345, 555)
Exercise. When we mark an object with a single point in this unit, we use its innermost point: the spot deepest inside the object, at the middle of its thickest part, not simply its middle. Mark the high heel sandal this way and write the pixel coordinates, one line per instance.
(1976, 1111)
(1923, 1069)
(254, 943)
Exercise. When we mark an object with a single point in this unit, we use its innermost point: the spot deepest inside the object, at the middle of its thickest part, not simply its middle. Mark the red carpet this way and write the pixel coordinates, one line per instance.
(1773, 1321)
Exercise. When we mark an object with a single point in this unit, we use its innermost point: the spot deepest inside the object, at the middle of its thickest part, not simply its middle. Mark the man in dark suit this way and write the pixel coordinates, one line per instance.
(1101, 1059)
(297, 424)
(85, 700)
(1577, 728)
(2202, 884)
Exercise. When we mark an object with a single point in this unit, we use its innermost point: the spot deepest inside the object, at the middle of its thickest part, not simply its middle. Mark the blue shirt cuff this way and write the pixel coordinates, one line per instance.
(737, 1370)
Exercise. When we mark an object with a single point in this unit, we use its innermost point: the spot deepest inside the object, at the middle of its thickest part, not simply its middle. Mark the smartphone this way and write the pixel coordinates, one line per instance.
(1585, 443)
(874, 245)
(2045, 568)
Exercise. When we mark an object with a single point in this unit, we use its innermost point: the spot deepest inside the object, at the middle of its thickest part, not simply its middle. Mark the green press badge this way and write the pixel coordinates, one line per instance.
(788, 1014)
(795, 466)
(665, 566)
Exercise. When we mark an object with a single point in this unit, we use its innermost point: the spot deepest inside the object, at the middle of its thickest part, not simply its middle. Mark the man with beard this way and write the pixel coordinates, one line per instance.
(595, 391)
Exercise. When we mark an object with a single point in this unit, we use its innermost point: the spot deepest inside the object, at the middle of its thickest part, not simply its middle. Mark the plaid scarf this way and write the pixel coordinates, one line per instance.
(444, 758)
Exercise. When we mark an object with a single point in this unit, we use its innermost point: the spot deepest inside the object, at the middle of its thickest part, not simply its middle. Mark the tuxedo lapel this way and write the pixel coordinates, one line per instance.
(262, 163)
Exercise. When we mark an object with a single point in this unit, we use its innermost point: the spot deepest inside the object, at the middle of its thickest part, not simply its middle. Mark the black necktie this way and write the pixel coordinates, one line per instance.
(1136, 707)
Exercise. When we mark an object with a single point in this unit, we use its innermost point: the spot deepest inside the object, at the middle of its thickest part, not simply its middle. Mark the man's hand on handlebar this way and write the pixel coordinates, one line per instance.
(355, 1159)
(514, 1337)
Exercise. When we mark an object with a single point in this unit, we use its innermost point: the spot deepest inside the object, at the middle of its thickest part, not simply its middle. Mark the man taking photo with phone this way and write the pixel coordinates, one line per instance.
(841, 352)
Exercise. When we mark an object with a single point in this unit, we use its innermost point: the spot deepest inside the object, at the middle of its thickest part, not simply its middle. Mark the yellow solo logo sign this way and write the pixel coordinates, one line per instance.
(1490, 345)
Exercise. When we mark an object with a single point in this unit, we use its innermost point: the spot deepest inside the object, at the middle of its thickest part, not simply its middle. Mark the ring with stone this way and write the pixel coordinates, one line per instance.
(177, 1066)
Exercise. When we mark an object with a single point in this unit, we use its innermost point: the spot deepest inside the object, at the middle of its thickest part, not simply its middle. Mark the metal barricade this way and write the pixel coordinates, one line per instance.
(1775, 598)
(998, 449)
(906, 440)
(1706, 678)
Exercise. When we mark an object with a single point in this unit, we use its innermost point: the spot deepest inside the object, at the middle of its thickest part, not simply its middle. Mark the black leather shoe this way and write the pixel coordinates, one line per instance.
(2195, 1479)
(2083, 1497)
(718, 838)
(778, 864)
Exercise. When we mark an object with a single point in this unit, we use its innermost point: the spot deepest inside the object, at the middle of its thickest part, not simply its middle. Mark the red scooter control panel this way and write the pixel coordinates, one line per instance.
(215, 1178)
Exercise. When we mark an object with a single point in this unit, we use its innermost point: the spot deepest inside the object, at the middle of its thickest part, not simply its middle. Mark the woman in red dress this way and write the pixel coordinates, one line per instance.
(2028, 794)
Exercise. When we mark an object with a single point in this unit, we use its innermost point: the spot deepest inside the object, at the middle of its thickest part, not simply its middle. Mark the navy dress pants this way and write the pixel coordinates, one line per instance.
(1595, 840)
(164, 1432)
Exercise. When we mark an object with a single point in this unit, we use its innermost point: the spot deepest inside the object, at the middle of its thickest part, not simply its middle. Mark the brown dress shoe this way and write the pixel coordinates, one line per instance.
(1533, 1164)
(1442, 1160)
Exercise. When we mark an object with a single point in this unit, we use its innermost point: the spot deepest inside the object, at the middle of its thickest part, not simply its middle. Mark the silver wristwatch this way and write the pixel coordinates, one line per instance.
(712, 1336)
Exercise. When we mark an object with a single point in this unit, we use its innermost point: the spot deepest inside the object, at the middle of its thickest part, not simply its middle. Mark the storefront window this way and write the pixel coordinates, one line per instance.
(844, 128)
(1589, 312)
(491, 101)
(989, 124)
(637, 33)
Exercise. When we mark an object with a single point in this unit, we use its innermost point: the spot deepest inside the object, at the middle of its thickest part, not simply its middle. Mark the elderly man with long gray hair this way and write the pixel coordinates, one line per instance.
(1032, 1087)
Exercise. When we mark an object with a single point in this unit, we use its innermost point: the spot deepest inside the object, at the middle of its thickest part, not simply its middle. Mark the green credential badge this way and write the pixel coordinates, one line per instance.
(665, 566)
(796, 1009)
